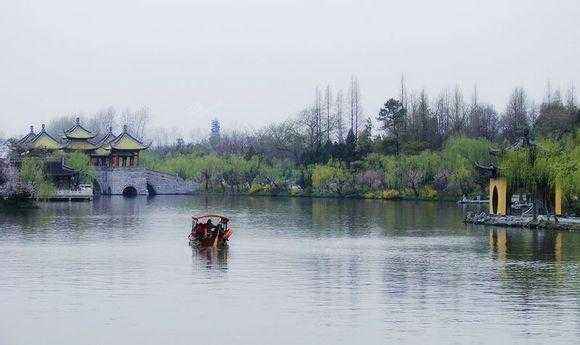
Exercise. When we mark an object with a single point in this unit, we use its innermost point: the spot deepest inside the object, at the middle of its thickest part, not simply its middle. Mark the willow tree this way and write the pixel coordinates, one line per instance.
(33, 172)
(81, 163)
(541, 168)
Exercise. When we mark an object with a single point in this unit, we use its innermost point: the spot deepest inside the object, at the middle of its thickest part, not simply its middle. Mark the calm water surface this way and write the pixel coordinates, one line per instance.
(298, 271)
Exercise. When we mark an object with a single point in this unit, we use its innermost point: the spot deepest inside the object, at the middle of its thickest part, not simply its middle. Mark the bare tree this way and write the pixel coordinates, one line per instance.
(555, 116)
(516, 120)
(404, 92)
(102, 120)
(571, 99)
(136, 121)
(284, 140)
(443, 114)
(475, 120)
(309, 120)
(339, 117)
(159, 137)
(458, 112)
(317, 139)
(328, 113)
(57, 125)
(355, 106)
(490, 121)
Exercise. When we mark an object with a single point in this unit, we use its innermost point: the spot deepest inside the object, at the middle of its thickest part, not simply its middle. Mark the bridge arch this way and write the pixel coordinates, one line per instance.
(130, 192)
(151, 190)
(97, 187)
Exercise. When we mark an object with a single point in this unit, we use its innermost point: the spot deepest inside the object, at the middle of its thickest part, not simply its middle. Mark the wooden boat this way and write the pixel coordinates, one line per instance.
(206, 233)
(478, 200)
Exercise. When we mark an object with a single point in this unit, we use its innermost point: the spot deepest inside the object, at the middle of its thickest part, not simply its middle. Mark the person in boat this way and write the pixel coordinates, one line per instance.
(211, 228)
(210, 225)
(223, 225)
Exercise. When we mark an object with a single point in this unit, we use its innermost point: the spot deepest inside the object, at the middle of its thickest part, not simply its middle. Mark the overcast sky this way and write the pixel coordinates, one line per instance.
(252, 62)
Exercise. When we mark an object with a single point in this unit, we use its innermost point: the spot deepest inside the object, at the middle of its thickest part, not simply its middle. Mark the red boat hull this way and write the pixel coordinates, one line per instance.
(214, 238)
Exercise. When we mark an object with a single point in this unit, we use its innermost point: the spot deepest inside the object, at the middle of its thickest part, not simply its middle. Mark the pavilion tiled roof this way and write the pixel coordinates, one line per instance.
(104, 144)
(24, 140)
(106, 140)
(79, 145)
(43, 141)
(127, 142)
(79, 132)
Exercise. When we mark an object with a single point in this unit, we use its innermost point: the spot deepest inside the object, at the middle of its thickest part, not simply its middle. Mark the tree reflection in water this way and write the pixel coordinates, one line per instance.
(533, 261)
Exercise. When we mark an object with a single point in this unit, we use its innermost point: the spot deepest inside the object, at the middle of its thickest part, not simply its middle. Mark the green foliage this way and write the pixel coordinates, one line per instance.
(428, 193)
(33, 172)
(462, 152)
(557, 164)
(550, 164)
(81, 163)
(427, 175)
(459, 157)
(516, 166)
(392, 115)
(333, 178)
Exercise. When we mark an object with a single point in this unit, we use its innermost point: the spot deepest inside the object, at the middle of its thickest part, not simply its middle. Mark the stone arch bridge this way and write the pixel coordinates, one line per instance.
(140, 181)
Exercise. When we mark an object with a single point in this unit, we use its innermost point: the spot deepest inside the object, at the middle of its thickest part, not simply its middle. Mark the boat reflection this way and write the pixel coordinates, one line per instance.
(210, 257)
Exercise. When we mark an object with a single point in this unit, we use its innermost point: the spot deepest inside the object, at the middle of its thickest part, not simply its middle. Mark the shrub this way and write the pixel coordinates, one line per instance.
(390, 194)
(81, 163)
(332, 178)
(428, 193)
(32, 171)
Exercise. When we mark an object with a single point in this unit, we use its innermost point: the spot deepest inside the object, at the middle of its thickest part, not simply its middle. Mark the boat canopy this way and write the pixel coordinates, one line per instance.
(210, 216)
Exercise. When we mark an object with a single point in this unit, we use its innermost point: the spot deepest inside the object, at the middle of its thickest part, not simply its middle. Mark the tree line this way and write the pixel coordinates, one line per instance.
(415, 146)
(423, 147)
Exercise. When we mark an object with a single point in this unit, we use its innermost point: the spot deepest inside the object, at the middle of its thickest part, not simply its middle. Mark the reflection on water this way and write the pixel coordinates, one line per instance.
(210, 257)
(532, 261)
(527, 245)
(297, 271)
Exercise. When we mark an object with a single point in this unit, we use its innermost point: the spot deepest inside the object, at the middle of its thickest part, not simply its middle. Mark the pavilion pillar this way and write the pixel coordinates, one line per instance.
(558, 201)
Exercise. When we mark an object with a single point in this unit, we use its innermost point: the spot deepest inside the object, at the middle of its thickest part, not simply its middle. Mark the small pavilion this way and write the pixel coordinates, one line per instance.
(38, 143)
(77, 138)
(500, 191)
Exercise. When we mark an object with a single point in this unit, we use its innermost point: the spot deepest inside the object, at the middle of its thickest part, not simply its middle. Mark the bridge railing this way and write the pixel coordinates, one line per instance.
(164, 173)
(137, 168)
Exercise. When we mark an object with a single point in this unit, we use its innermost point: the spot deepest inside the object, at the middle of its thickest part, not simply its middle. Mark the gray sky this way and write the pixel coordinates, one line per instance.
(252, 62)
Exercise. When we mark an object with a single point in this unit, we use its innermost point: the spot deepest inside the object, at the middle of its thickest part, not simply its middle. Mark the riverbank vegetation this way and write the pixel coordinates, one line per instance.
(413, 148)
(30, 180)
(12, 186)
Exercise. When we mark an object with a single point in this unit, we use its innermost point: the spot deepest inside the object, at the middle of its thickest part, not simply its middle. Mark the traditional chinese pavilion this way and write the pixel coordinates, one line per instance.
(36, 143)
(111, 150)
(113, 155)
(117, 151)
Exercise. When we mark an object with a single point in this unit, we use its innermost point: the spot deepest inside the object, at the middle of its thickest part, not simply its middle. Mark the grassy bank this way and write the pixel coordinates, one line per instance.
(429, 175)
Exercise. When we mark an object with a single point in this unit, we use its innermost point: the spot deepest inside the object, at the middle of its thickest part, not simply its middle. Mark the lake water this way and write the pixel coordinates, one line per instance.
(297, 271)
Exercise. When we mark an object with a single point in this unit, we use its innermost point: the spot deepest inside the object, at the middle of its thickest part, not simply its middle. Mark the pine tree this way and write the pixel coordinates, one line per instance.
(393, 115)
(215, 132)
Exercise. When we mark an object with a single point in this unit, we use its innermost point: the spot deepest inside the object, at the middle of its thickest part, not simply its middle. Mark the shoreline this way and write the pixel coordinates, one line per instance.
(542, 222)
